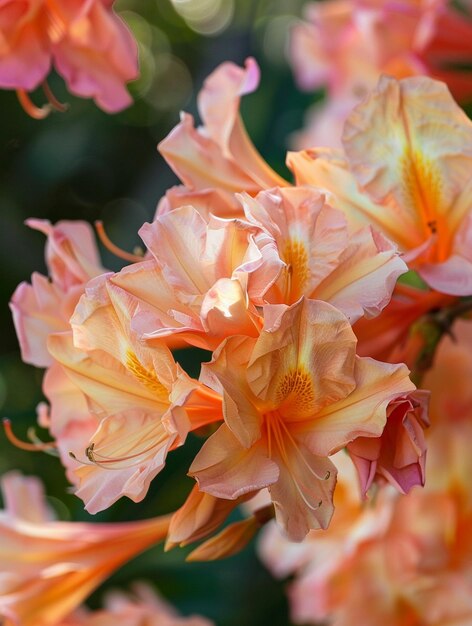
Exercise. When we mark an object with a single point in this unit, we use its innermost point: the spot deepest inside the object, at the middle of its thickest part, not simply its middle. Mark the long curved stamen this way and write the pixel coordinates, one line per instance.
(121, 462)
(114, 249)
(24, 445)
(277, 429)
(279, 436)
(37, 113)
(62, 107)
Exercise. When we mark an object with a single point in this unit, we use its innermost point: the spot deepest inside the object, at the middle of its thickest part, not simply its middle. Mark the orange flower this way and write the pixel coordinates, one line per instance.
(356, 272)
(411, 556)
(203, 280)
(291, 398)
(50, 567)
(144, 402)
(414, 186)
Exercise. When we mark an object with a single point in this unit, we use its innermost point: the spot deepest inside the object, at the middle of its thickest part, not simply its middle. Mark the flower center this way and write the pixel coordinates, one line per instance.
(423, 192)
(295, 393)
(297, 272)
(146, 377)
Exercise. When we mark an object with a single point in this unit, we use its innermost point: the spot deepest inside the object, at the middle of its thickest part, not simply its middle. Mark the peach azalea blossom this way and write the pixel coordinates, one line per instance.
(144, 402)
(85, 41)
(218, 158)
(50, 567)
(416, 567)
(203, 280)
(45, 306)
(292, 398)
(356, 272)
(414, 186)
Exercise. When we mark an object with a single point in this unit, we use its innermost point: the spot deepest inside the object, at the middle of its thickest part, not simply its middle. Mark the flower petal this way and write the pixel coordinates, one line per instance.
(225, 469)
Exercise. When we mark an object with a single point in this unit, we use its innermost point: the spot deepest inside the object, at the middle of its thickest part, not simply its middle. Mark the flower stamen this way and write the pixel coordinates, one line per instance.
(37, 113)
(37, 446)
(62, 107)
(113, 248)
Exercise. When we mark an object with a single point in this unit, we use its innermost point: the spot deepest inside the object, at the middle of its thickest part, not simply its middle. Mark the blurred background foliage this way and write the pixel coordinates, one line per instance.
(85, 164)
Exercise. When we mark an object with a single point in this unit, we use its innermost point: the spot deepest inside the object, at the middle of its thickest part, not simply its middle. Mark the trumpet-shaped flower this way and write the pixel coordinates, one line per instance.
(85, 41)
(415, 567)
(143, 400)
(50, 567)
(217, 159)
(356, 272)
(414, 185)
(291, 398)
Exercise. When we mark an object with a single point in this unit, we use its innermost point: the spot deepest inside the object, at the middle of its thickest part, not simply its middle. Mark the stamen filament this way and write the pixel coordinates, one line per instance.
(157, 436)
(37, 113)
(53, 101)
(24, 445)
(114, 249)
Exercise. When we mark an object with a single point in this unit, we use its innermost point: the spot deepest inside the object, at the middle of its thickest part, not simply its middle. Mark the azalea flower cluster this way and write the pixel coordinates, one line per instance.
(308, 296)
(343, 46)
(85, 42)
(410, 556)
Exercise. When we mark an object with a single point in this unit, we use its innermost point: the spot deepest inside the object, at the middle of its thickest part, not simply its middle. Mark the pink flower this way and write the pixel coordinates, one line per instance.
(355, 272)
(399, 455)
(85, 41)
(45, 306)
(202, 281)
(218, 158)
